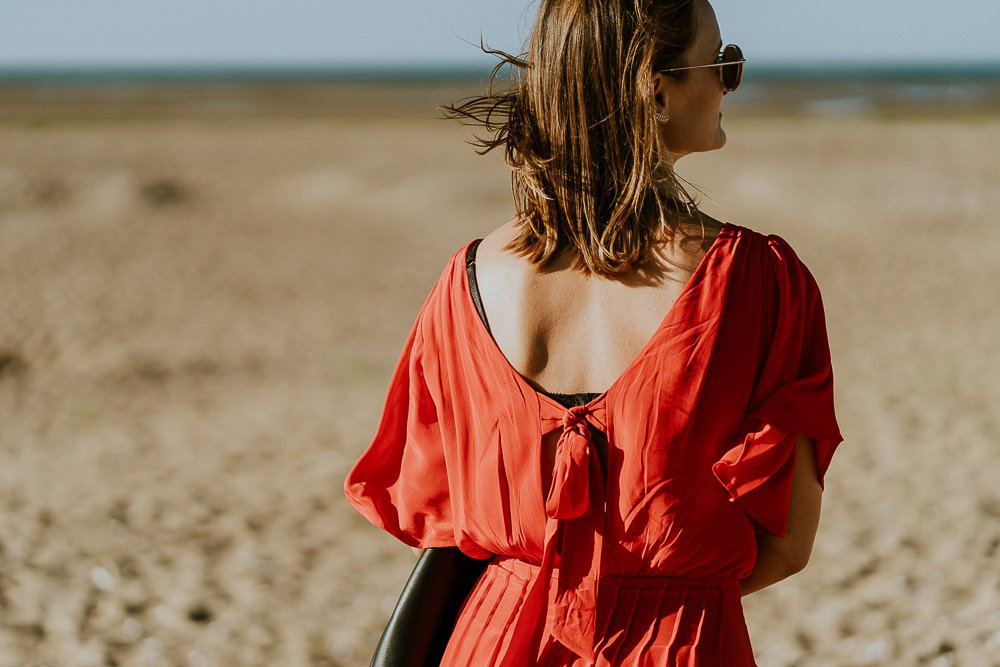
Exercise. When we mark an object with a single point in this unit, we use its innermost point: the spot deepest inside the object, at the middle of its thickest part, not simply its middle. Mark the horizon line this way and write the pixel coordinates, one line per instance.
(764, 71)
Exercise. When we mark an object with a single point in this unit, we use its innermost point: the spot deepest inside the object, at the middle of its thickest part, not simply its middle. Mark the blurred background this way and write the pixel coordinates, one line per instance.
(219, 219)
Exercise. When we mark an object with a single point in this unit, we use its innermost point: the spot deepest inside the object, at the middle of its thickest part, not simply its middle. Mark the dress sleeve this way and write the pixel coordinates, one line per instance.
(400, 483)
(793, 396)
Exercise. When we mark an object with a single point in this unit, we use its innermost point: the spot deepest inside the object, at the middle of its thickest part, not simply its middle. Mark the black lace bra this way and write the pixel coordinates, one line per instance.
(569, 400)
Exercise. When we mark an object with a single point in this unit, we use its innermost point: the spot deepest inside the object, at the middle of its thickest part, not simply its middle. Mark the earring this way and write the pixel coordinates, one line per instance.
(660, 117)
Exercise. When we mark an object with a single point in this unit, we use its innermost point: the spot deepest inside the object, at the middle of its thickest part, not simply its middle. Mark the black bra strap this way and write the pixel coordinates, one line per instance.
(470, 269)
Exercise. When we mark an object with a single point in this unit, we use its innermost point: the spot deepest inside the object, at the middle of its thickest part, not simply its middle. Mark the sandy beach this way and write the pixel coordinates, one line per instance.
(201, 302)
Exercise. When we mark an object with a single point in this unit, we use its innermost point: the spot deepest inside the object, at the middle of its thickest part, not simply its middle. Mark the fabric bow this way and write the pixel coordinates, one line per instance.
(574, 508)
(569, 495)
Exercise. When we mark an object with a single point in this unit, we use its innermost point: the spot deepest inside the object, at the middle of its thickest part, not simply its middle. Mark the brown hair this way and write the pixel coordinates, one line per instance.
(579, 134)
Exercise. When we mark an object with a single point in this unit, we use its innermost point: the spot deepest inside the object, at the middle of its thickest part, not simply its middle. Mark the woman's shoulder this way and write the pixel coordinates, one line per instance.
(770, 245)
(492, 245)
(496, 264)
(781, 269)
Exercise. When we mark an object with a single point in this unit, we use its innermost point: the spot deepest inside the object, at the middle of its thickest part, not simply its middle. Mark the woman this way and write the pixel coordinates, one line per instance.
(637, 434)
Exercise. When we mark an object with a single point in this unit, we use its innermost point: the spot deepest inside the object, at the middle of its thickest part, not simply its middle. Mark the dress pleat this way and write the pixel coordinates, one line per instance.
(675, 647)
(695, 646)
(475, 632)
(646, 649)
(505, 614)
(624, 612)
(611, 597)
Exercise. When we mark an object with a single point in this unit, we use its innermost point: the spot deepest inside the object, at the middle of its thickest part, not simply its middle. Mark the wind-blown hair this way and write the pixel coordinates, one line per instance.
(579, 134)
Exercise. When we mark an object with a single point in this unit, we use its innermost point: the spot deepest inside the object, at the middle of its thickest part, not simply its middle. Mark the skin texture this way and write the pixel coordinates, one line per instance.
(568, 332)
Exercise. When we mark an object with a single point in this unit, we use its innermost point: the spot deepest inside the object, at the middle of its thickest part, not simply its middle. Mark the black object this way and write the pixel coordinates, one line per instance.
(421, 623)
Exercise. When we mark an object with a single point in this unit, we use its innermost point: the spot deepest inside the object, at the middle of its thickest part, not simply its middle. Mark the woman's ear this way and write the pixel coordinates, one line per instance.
(661, 99)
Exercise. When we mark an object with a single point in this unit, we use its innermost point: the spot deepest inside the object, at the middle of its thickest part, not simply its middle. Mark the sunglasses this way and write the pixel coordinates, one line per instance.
(730, 63)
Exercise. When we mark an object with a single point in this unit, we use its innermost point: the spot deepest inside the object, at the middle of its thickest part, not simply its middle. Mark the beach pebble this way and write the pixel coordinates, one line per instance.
(166, 617)
(151, 653)
(132, 629)
(102, 578)
(197, 658)
(877, 651)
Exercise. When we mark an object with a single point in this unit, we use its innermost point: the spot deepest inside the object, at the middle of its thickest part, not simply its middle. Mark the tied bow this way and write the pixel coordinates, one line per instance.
(574, 516)
(569, 495)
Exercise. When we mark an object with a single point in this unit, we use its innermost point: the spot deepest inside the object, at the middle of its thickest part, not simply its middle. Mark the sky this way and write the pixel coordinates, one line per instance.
(389, 33)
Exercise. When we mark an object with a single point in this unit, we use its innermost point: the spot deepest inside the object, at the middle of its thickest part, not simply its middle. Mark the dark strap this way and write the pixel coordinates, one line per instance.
(470, 269)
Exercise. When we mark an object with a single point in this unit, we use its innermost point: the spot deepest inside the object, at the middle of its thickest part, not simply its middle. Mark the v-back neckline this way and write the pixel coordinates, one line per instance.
(691, 283)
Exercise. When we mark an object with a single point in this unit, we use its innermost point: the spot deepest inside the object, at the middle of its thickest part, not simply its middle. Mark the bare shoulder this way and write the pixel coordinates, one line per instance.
(497, 265)
(491, 248)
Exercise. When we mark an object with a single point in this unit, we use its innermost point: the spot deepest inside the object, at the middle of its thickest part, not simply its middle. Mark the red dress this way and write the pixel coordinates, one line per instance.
(634, 560)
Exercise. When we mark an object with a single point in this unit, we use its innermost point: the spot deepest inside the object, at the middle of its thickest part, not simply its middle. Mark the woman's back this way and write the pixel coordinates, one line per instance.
(567, 332)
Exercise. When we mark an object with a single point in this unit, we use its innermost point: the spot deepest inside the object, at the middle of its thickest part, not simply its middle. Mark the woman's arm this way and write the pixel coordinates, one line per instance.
(781, 557)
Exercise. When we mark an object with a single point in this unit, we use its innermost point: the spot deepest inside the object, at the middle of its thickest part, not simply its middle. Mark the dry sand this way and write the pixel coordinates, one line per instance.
(199, 313)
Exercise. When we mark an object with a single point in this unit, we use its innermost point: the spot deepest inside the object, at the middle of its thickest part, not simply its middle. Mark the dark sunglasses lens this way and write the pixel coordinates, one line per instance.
(732, 73)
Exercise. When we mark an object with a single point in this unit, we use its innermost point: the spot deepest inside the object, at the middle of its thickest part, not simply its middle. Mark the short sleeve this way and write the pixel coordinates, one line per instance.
(793, 396)
(400, 483)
